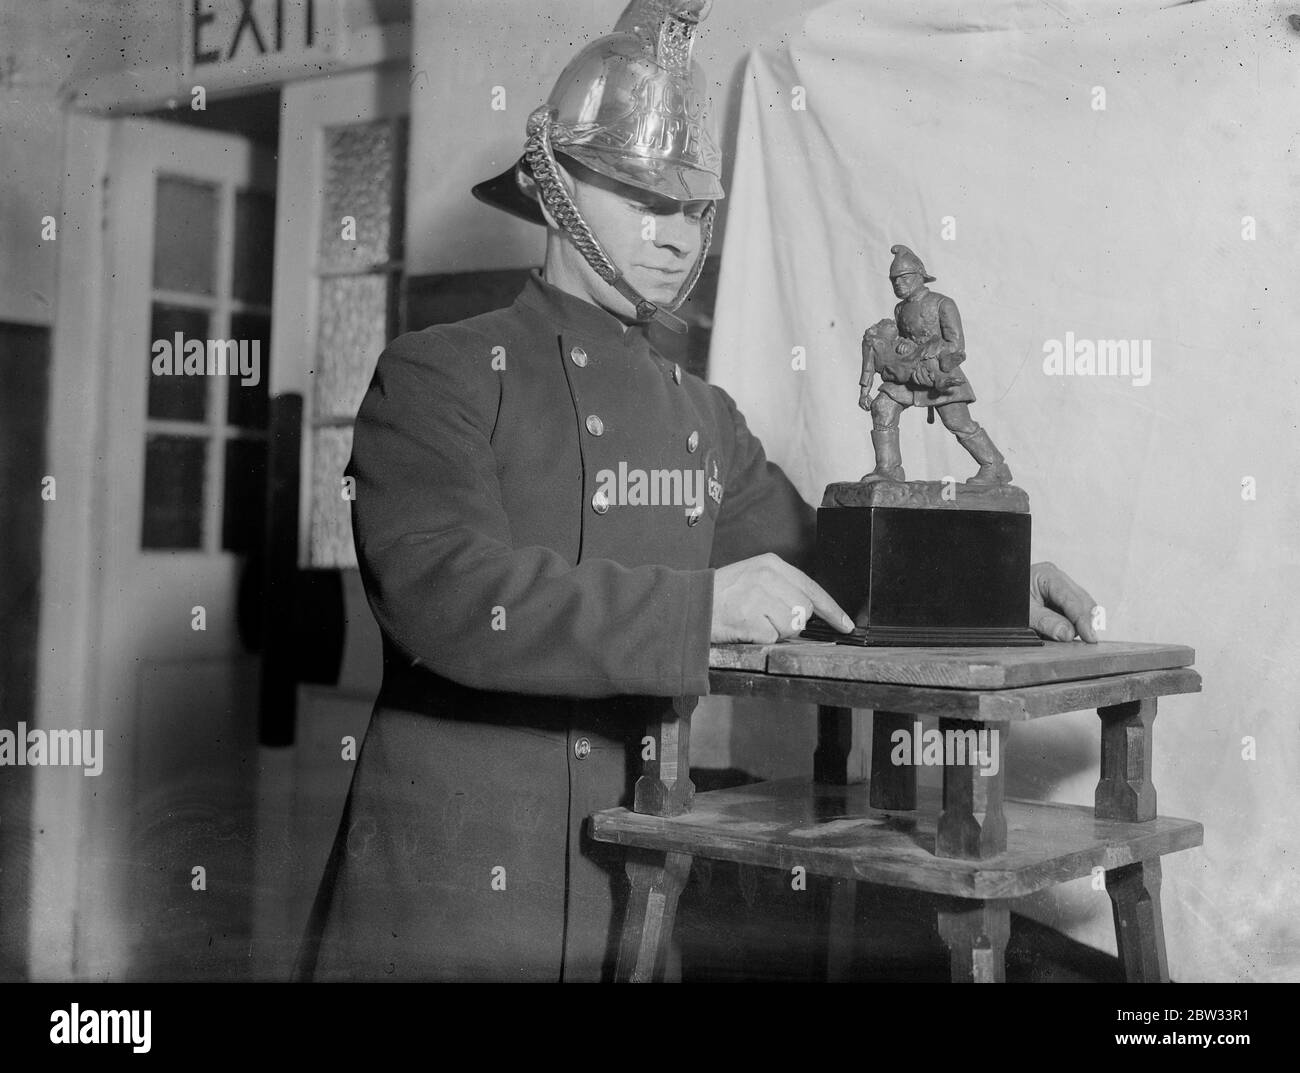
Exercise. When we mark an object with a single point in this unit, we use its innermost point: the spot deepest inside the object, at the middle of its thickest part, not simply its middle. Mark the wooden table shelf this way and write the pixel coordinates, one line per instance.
(833, 831)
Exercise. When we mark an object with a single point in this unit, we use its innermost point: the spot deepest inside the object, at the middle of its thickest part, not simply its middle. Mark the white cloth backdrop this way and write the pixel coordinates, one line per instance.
(1127, 222)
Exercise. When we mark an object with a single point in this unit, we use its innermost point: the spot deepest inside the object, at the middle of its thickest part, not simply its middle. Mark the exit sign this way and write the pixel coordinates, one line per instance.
(244, 42)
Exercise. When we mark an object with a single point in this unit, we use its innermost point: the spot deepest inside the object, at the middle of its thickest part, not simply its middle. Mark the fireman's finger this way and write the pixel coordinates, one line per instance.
(1059, 595)
(1049, 624)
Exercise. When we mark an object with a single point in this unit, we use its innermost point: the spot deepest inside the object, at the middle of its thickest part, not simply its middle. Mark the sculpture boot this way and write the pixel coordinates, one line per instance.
(889, 465)
(993, 468)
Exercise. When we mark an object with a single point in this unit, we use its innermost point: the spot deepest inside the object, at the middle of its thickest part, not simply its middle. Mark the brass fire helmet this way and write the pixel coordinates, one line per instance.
(630, 106)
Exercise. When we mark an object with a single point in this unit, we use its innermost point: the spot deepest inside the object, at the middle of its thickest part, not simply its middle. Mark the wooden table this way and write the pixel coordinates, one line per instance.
(968, 847)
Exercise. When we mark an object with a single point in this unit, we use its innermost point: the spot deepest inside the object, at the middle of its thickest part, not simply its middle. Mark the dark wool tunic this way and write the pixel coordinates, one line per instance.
(533, 621)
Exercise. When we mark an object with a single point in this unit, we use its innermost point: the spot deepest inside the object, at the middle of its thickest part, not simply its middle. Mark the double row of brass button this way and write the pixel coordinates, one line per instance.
(595, 426)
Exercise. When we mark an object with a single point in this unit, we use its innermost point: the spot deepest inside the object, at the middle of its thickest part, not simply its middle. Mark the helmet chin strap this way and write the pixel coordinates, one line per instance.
(541, 160)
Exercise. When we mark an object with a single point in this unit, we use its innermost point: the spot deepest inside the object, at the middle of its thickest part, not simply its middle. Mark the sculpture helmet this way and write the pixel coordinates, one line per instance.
(631, 107)
(906, 261)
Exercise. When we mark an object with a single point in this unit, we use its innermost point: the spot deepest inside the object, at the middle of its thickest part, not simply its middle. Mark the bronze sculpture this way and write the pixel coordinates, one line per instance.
(918, 355)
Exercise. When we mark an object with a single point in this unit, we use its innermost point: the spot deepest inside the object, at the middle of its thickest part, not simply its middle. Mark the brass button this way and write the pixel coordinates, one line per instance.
(694, 517)
(595, 425)
(693, 442)
(600, 502)
(582, 748)
(677, 374)
(579, 357)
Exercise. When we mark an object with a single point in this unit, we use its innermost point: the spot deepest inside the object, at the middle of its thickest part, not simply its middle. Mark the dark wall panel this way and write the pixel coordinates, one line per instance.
(24, 398)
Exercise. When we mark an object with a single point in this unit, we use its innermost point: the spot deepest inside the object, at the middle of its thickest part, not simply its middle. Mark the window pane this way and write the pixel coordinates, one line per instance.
(174, 470)
(243, 511)
(254, 246)
(353, 331)
(246, 405)
(331, 516)
(185, 236)
(172, 395)
(361, 162)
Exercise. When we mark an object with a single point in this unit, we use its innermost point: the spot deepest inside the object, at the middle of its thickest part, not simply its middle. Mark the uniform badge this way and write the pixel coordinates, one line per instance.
(715, 485)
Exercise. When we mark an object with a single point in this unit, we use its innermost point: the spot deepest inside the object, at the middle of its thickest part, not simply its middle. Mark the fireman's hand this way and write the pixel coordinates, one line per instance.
(1058, 605)
(763, 599)
(866, 399)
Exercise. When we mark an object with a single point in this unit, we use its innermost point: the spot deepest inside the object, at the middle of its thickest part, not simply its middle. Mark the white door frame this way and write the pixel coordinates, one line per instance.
(67, 633)
(81, 826)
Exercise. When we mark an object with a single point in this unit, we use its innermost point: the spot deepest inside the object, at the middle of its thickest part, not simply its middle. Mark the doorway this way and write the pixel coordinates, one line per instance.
(165, 866)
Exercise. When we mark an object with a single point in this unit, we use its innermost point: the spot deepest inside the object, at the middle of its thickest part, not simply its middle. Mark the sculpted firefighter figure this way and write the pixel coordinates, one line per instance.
(918, 355)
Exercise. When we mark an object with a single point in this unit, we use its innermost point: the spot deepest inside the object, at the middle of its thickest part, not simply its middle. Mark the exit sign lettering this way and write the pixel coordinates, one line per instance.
(258, 38)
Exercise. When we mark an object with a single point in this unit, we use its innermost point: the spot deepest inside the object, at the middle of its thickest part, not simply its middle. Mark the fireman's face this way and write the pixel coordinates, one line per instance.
(653, 240)
(907, 284)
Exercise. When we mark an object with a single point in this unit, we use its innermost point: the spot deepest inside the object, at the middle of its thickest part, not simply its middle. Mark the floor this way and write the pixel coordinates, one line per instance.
(734, 934)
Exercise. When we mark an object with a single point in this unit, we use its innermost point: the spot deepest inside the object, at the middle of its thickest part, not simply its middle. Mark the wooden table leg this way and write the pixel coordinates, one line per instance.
(1125, 791)
(972, 825)
(893, 786)
(657, 880)
(1134, 892)
(665, 787)
(976, 933)
(836, 762)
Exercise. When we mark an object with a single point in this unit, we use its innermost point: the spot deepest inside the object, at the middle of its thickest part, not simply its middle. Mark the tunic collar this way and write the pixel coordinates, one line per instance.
(577, 314)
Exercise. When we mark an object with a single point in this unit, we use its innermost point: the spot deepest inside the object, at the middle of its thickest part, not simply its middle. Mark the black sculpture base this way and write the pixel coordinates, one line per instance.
(925, 564)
